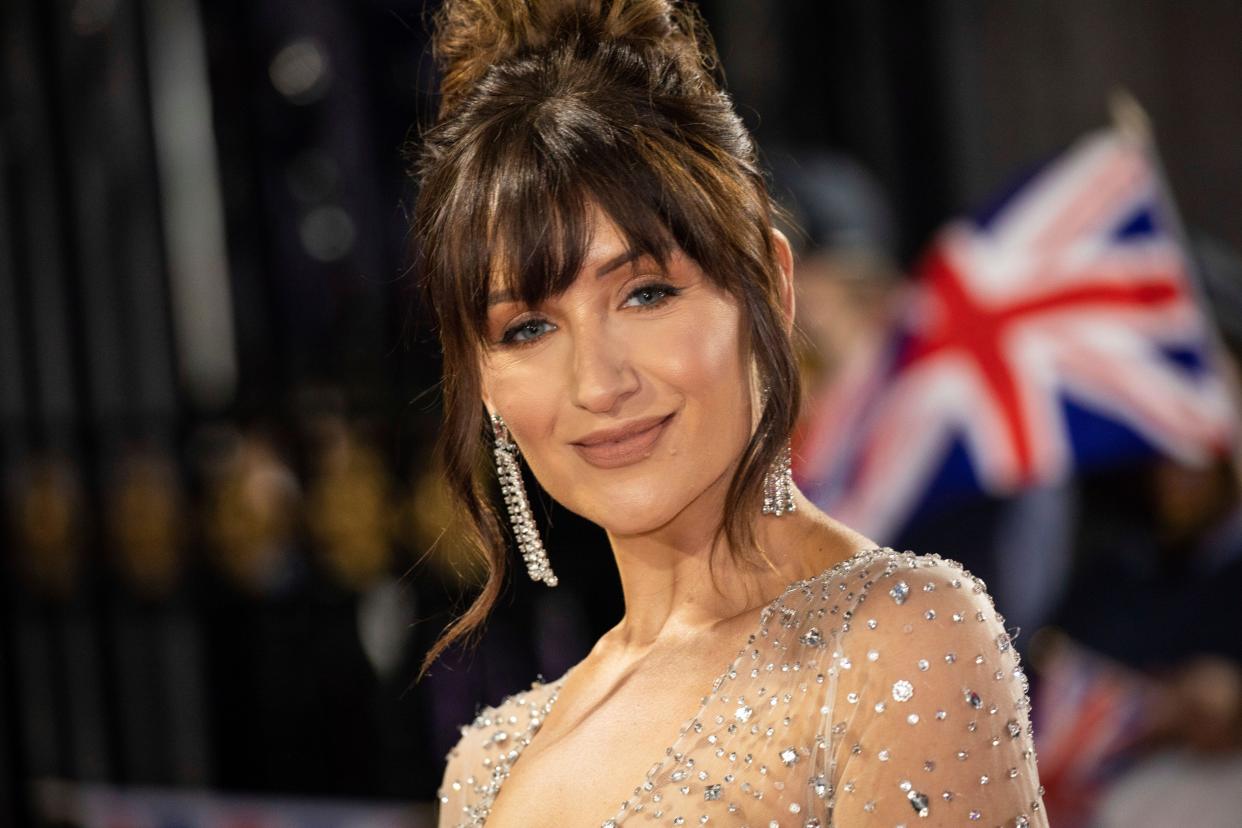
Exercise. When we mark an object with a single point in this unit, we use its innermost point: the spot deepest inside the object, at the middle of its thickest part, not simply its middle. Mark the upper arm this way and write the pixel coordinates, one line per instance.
(468, 786)
(458, 791)
(930, 711)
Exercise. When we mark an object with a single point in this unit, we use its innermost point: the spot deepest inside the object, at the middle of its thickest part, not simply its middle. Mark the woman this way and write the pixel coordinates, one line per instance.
(615, 306)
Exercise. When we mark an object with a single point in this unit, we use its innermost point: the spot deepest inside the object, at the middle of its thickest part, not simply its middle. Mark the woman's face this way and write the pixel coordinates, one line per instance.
(630, 394)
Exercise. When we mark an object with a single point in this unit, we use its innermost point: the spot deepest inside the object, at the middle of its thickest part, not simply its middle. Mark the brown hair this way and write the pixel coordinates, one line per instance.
(552, 107)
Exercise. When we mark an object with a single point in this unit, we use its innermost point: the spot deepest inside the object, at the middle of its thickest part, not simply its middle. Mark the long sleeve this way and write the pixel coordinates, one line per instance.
(930, 714)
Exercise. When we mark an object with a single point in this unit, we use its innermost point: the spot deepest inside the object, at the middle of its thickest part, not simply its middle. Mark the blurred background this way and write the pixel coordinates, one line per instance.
(224, 546)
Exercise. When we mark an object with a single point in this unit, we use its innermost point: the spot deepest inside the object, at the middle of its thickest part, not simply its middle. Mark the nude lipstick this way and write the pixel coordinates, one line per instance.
(622, 446)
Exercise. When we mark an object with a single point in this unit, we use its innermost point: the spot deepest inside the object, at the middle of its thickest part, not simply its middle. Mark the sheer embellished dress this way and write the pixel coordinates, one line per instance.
(885, 691)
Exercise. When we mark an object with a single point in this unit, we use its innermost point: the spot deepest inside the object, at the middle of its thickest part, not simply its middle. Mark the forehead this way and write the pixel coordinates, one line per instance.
(603, 244)
(601, 248)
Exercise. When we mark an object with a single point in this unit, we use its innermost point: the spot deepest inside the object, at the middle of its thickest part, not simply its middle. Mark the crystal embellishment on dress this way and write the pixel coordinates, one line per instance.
(486, 784)
(812, 637)
(785, 729)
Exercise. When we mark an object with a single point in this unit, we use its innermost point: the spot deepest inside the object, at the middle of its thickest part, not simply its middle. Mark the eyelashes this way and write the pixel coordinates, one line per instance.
(657, 289)
(527, 331)
(524, 332)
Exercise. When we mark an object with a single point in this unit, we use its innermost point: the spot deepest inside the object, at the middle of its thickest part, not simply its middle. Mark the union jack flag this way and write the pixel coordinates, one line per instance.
(1091, 716)
(1055, 330)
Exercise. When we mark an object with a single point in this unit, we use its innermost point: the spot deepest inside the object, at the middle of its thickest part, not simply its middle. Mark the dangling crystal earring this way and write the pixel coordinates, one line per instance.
(514, 492)
(778, 481)
(778, 485)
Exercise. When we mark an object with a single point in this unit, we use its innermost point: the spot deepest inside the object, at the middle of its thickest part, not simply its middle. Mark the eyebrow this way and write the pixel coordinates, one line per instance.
(620, 260)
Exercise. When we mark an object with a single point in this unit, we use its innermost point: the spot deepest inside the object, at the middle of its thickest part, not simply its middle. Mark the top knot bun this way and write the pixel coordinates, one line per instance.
(471, 36)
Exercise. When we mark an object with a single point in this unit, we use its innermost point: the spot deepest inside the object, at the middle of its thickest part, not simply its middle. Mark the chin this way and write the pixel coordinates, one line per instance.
(633, 526)
(635, 509)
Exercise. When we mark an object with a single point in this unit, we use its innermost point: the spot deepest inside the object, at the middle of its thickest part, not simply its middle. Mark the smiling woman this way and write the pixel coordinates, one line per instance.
(596, 240)
(612, 384)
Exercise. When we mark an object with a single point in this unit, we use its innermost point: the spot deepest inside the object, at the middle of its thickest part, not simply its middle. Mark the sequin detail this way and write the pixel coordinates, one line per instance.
(844, 707)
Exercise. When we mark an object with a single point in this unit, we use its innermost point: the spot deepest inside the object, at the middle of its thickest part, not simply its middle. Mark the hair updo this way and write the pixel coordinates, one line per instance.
(550, 107)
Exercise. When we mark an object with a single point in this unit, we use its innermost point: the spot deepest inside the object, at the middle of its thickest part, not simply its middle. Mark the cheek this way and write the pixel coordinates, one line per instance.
(692, 361)
(520, 391)
(699, 367)
(702, 359)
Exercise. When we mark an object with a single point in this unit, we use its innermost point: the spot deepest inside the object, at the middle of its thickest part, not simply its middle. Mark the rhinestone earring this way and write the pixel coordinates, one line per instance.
(778, 485)
(514, 492)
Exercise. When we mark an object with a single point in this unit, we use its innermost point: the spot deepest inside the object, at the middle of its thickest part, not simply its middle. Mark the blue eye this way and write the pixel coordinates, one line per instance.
(650, 295)
(526, 331)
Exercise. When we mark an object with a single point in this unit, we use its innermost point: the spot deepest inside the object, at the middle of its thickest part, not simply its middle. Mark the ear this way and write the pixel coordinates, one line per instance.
(784, 258)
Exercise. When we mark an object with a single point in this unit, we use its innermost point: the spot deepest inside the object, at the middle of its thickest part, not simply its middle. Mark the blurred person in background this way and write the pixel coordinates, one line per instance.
(843, 234)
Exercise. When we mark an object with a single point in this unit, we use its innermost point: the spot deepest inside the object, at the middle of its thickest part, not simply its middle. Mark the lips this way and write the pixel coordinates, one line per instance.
(613, 448)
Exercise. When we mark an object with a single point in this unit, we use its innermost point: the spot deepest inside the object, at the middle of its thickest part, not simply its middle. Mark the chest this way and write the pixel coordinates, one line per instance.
(651, 750)
(606, 734)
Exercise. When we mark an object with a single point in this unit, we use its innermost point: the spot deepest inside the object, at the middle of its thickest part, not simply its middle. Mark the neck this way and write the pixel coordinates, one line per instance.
(674, 584)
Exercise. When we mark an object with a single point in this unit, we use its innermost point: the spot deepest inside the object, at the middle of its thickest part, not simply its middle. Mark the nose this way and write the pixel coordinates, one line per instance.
(603, 376)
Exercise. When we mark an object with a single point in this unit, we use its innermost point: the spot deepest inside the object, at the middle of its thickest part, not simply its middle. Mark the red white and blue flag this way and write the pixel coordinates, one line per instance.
(1091, 715)
(1054, 331)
